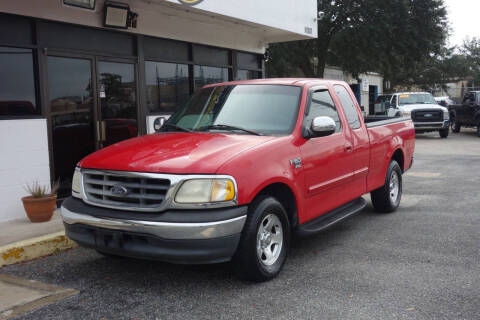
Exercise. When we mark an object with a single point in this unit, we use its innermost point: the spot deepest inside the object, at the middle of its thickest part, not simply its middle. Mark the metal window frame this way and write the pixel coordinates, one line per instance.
(40, 54)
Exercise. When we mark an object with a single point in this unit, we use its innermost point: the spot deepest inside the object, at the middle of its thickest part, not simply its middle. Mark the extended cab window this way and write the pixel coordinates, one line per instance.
(348, 106)
(394, 101)
(261, 109)
(322, 105)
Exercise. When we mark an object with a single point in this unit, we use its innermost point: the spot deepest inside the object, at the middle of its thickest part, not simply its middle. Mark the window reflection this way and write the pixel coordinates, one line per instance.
(17, 89)
(71, 103)
(118, 101)
(247, 74)
(168, 86)
(206, 75)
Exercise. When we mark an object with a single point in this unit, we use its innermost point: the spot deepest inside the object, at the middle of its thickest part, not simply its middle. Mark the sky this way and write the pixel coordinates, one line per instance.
(463, 16)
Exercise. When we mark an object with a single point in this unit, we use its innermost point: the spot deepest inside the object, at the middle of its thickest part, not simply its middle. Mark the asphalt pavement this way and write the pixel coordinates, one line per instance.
(422, 262)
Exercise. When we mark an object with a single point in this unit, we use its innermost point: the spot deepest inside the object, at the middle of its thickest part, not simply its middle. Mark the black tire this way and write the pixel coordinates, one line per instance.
(455, 125)
(478, 129)
(246, 262)
(444, 132)
(381, 199)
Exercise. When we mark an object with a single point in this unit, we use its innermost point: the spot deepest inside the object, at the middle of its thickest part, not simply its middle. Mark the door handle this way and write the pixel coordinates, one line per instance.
(348, 148)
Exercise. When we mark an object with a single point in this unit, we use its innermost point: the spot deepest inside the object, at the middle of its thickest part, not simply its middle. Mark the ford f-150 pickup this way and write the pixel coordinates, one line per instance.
(238, 170)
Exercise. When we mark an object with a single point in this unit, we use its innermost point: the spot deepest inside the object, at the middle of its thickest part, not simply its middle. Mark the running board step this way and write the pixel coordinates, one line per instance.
(330, 218)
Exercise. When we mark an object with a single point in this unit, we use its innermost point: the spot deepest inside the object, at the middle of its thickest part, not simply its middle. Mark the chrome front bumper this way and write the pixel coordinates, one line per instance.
(164, 230)
(431, 125)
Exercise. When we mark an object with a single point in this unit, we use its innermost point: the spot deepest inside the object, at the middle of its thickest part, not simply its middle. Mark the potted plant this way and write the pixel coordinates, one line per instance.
(41, 202)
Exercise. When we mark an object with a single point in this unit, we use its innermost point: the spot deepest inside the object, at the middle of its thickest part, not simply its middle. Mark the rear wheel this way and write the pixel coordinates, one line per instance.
(444, 132)
(387, 198)
(264, 243)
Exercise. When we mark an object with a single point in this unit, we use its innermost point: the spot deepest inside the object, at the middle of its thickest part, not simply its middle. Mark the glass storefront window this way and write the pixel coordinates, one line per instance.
(206, 75)
(71, 104)
(168, 86)
(17, 89)
(247, 74)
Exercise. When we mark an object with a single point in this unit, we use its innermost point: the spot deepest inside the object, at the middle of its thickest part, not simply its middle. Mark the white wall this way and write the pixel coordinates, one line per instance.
(234, 25)
(289, 15)
(23, 159)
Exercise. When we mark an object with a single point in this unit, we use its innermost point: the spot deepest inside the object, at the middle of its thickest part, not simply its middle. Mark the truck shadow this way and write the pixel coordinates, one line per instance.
(132, 272)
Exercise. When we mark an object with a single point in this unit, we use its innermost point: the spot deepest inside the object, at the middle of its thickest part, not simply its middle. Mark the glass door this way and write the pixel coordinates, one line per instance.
(117, 93)
(72, 111)
(93, 104)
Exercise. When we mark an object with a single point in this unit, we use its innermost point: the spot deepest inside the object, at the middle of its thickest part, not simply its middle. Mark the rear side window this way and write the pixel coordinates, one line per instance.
(469, 97)
(348, 106)
(322, 105)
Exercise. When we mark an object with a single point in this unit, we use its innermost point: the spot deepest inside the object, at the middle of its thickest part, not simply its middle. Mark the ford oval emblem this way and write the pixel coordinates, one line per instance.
(119, 190)
(428, 115)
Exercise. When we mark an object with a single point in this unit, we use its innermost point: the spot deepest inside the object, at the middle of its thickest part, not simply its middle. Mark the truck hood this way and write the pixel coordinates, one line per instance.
(182, 153)
(411, 107)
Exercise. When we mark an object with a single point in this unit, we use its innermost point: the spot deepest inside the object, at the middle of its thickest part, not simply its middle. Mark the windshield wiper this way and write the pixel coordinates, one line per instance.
(176, 127)
(231, 128)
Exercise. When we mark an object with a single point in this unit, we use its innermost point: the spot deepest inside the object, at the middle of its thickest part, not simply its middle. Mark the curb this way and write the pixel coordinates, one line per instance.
(34, 248)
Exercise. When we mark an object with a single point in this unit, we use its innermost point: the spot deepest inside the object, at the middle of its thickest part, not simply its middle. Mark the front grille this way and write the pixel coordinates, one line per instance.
(142, 193)
(427, 115)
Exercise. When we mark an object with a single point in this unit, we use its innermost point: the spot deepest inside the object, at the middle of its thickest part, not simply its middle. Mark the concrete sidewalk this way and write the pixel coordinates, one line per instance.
(18, 296)
(22, 240)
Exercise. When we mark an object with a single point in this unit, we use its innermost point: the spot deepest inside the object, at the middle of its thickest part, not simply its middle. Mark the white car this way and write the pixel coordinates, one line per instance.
(444, 101)
(426, 113)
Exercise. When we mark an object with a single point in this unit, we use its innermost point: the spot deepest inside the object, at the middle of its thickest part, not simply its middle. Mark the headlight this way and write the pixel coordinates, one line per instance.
(205, 191)
(406, 113)
(446, 115)
(76, 182)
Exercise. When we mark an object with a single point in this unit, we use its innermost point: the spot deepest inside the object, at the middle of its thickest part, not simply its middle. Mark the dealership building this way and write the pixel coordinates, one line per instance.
(79, 75)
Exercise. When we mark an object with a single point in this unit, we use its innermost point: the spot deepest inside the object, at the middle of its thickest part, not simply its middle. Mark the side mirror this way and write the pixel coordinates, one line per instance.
(323, 126)
(158, 123)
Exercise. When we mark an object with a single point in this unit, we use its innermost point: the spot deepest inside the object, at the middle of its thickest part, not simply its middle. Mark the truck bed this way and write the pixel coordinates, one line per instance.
(385, 132)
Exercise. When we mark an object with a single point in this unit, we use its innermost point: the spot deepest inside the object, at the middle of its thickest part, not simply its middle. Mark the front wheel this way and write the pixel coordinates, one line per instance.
(455, 125)
(387, 198)
(444, 132)
(264, 243)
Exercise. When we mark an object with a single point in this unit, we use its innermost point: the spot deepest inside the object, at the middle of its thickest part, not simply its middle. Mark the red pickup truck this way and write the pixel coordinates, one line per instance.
(236, 171)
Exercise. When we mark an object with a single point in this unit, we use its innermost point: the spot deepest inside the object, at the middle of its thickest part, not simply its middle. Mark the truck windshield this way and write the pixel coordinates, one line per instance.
(240, 109)
(417, 98)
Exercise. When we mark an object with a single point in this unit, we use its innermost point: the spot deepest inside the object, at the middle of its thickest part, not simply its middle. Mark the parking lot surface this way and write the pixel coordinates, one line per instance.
(422, 262)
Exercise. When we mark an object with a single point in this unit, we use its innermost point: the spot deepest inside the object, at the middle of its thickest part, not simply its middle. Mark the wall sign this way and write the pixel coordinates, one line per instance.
(190, 2)
(365, 85)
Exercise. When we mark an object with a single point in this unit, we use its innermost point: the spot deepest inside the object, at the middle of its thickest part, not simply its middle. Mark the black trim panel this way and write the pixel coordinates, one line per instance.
(376, 121)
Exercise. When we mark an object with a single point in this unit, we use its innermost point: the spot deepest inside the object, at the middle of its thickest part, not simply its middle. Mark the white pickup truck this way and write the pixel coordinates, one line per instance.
(426, 113)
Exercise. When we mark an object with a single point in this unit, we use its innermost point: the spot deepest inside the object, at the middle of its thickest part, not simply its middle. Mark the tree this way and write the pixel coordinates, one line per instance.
(471, 52)
(393, 37)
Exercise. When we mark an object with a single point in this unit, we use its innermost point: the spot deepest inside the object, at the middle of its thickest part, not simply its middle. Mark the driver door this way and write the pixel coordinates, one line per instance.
(327, 161)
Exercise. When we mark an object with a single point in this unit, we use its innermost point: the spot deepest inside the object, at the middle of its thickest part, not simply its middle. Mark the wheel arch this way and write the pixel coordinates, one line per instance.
(284, 194)
(399, 157)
